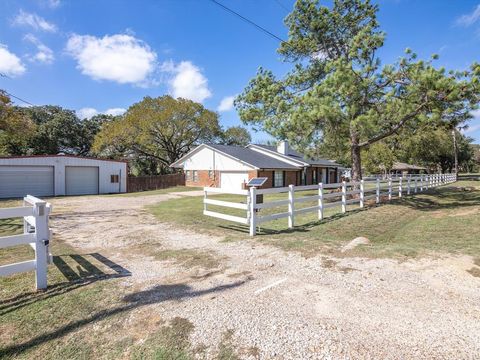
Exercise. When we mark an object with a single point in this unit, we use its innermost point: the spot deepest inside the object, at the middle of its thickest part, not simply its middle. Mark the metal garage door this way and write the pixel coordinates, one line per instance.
(233, 179)
(81, 180)
(18, 181)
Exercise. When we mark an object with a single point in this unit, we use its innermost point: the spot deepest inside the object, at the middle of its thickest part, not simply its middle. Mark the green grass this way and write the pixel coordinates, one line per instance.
(444, 219)
(159, 191)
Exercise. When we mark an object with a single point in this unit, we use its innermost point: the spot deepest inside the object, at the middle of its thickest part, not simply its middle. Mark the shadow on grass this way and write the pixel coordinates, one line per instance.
(132, 301)
(87, 274)
(298, 228)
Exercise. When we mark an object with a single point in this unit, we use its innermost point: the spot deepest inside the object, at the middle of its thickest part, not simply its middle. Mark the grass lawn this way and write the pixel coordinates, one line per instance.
(444, 219)
(159, 191)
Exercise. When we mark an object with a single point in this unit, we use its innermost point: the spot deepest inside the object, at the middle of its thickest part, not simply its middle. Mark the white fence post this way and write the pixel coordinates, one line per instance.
(42, 238)
(253, 202)
(377, 192)
(320, 201)
(408, 184)
(400, 189)
(344, 197)
(362, 194)
(390, 189)
(416, 185)
(291, 206)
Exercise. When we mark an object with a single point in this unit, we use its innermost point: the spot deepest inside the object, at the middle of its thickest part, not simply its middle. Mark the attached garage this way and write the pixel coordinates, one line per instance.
(233, 179)
(81, 180)
(17, 181)
(57, 175)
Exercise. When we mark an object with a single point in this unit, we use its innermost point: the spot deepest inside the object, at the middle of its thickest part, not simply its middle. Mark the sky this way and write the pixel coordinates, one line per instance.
(103, 56)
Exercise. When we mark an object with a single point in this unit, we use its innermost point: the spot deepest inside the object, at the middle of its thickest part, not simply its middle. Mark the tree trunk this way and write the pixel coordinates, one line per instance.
(356, 159)
(455, 151)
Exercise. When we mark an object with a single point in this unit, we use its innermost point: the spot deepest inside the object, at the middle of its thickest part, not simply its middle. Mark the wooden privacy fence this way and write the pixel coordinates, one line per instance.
(154, 182)
(326, 196)
(36, 233)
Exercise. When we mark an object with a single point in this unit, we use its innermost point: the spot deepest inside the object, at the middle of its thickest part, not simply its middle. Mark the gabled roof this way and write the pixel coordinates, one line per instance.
(295, 155)
(243, 154)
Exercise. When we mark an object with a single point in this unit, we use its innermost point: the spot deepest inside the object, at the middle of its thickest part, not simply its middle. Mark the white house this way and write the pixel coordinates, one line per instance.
(55, 175)
(231, 167)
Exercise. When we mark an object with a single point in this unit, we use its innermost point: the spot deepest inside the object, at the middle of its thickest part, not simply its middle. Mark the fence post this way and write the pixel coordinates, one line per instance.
(204, 198)
(344, 197)
(390, 189)
(400, 188)
(377, 192)
(291, 206)
(42, 238)
(320, 201)
(416, 186)
(253, 202)
(362, 194)
(408, 184)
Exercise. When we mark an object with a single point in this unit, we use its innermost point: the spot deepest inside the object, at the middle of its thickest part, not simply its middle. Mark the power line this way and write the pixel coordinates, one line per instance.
(262, 29)
(16, 97)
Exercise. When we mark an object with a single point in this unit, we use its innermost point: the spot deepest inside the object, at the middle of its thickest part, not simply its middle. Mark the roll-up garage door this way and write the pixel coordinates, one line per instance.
(81, 180)
(233, 180)
(18, 181)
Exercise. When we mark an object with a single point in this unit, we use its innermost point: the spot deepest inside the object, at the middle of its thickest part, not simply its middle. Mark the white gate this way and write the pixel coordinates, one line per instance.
(35, 213)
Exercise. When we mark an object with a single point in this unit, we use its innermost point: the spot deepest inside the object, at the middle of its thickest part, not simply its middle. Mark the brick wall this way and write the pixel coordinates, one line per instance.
(204, 179)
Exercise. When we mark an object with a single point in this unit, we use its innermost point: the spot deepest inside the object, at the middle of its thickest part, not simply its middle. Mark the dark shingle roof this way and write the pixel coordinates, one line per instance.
(252, 157)
(295, 155)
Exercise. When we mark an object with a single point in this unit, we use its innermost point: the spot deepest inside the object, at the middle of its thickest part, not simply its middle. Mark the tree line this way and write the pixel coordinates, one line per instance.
(339, 99)
(151, 135)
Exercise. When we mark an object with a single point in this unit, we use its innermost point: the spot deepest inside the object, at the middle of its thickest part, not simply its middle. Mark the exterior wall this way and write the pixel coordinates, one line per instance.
(207, 159)
(105, 169)
(204, 179)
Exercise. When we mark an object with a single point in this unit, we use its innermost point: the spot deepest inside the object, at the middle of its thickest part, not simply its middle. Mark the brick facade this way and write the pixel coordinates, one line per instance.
(291, 177)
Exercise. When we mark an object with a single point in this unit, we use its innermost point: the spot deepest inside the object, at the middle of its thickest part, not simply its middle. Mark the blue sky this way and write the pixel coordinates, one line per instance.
(102, 56)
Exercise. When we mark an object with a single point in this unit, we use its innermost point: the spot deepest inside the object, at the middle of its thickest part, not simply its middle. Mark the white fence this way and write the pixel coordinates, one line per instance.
(36, 233)
(326, 196)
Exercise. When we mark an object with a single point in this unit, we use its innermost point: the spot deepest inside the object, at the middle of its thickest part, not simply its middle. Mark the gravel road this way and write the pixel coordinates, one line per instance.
(278, 304)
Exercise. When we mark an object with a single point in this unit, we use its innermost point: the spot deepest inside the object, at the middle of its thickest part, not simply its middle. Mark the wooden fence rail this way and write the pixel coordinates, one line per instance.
(154, 182)
(36, 233)
(340, 195)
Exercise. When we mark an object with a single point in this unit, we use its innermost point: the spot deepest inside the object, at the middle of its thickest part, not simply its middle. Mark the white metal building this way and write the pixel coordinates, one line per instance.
(55, 175)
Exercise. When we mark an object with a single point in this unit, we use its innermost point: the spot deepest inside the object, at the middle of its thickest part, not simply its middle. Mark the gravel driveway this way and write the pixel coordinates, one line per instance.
(279, 304)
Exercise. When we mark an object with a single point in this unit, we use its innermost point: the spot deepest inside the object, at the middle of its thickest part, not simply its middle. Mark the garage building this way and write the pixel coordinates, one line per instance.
(56, 175)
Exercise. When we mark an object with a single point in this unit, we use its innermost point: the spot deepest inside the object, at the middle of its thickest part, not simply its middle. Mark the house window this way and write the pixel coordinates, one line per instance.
(277, 178)
(314, 176)
(210, 174)
(195, 175)
(114, 179)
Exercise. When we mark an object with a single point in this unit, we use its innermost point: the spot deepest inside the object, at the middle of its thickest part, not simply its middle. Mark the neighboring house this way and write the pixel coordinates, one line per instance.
(53, 175)
(231, 167)
(399, 168)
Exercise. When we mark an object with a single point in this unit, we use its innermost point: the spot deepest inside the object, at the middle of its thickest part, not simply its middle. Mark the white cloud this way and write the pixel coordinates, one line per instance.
(469, 19)
(87, 113)
(115, 111)
(34, 21)
(187, 81)
(121, 58)
(475, 123)
(226, 104)
(44, 54)
(53, 4)
(10, 64)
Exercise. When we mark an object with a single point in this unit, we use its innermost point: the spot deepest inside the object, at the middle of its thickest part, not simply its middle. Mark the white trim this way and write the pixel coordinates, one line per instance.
(276, 154)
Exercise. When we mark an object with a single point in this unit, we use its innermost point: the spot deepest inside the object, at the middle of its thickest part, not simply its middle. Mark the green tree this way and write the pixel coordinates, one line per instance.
(338, 90)
(158, 131)
(16, 129)
(235, 135)
(378, 158)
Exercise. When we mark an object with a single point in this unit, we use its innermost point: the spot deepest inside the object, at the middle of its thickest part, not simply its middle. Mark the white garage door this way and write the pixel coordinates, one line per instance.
(233, 180)
(81, 180)
(18, 181)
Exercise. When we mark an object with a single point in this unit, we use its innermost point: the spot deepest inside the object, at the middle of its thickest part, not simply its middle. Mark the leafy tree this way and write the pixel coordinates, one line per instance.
(16, 129)
(379, 158)
(338, 91)
(158, 131)
(235, 135)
